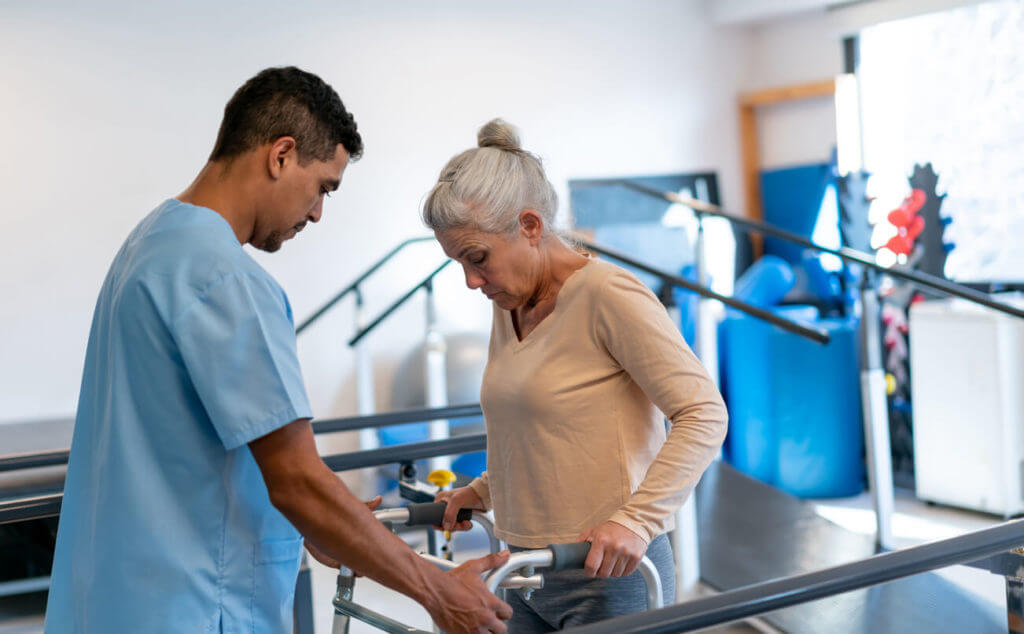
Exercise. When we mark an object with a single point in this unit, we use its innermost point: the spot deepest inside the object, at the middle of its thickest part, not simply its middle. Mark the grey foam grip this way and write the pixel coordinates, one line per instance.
(432, 514)
(569, 556)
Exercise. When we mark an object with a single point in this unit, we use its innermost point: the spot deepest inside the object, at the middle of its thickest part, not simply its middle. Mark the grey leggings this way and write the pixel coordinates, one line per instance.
(570, 598)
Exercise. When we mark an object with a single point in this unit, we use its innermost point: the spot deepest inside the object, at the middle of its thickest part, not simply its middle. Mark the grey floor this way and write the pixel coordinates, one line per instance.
(915, 522)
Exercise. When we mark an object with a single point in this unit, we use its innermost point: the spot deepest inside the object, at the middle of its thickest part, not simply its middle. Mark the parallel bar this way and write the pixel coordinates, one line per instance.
(407, 453)
(49, 505)
(359, 280)
(33, 460)
(60, 457)
(393, 307)
(23, 586)
(765, 597)
(846, 253)
(818, 336)
(32, 508)
(396, 418)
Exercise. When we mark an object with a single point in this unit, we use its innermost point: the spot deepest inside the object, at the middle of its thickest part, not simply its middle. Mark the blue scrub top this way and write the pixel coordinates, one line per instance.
(166, 524)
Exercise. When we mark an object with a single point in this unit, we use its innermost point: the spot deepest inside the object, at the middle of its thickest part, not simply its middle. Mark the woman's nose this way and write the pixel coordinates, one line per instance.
(473, 280)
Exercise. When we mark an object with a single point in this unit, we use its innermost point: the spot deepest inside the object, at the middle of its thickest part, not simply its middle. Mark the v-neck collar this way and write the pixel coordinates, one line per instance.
(519, 344)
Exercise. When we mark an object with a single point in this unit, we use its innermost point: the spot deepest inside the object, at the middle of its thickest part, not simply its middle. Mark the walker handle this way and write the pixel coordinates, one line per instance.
(569, 556)
(432, 514)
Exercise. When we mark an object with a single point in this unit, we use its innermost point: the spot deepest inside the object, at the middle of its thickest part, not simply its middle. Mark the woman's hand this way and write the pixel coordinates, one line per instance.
(615, 551)
(457, 499)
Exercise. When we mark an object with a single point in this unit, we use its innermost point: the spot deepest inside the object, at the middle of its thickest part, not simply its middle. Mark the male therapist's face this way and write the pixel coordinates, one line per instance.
(298, 198)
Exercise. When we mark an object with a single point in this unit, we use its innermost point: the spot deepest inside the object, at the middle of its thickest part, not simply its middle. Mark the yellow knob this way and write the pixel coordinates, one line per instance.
(441, 478)
(890, 384)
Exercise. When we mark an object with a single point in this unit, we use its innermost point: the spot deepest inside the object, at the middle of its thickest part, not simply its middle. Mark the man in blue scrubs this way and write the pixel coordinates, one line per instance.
(193, 474)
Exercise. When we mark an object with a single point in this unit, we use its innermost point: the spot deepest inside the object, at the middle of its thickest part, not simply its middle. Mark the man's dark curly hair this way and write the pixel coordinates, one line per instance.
(287, 101)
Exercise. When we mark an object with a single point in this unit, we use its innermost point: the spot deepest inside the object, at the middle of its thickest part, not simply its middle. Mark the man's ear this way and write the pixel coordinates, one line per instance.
(281, 152)
(531, 226)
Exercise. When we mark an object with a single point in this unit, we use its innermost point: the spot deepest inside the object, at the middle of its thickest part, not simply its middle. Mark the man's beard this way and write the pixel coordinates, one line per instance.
(272, 242)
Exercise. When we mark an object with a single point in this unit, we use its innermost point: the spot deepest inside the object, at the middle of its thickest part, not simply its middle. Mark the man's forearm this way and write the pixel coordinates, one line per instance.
(340, 525)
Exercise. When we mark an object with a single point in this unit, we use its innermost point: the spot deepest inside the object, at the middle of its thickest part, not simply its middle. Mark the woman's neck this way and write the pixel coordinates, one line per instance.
(558, 264)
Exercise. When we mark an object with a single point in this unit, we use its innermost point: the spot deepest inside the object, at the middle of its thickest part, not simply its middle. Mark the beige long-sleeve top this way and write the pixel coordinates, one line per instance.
(574, 432)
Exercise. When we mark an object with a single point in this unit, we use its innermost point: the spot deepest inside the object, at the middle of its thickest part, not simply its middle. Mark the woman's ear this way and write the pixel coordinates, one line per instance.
(531, 226)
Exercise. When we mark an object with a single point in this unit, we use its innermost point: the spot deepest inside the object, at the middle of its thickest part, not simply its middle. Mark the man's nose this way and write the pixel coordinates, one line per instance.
(317, 211)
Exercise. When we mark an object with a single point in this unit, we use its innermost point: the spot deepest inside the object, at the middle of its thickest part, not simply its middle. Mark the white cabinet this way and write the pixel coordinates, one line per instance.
(967, 380)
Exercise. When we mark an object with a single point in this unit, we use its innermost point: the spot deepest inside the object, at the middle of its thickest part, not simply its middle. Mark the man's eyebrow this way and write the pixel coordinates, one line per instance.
(332, 184)
(466, 250)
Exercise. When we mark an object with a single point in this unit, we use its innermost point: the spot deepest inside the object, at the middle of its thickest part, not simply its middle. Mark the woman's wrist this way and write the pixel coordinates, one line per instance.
(632, 525)
(483, 494)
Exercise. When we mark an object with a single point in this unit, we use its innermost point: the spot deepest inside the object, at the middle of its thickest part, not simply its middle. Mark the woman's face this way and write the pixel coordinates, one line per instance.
(503, 268)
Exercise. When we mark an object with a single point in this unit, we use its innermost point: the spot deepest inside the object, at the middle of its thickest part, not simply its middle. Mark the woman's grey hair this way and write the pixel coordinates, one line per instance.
(489, 186)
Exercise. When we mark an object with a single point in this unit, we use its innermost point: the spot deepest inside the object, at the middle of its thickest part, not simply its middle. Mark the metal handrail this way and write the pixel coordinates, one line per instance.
(49, 458)
(31, 508)
(359, 280)
(59, 457)
(409, 452)
(772, 595)
(353, 423)
(48, 505)
(397, 303)
(845, 253)
(818, 336)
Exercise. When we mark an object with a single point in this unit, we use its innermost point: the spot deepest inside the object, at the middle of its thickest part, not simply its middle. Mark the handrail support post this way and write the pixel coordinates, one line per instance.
(875, 413)
(1014, 605)
(435, 372)
(685, 538)
(365, 391)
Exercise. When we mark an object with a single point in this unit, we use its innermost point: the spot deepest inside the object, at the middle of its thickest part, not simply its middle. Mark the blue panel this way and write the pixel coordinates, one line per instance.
(597, 202)
(745, 344)
(791, 200)
(688, 303)
(665, 248)
(470, 464)
(417, 432)
(794, 405)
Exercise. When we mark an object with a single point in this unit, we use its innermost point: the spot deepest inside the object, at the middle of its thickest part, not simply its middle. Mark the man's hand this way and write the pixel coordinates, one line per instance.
(322, 508)
(463, 605)
(321, 556)
(615, 551)
(458, 499)
(326, 559)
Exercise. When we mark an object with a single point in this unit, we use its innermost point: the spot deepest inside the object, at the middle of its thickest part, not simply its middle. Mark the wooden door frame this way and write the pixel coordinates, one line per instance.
(749, 146)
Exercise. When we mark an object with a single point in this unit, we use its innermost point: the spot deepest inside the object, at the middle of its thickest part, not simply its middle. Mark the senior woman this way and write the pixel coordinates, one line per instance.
(584, 366)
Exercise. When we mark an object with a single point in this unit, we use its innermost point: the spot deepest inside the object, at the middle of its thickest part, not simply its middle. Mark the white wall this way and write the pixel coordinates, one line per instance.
(108, 110)
(794, 51)
(803, 48)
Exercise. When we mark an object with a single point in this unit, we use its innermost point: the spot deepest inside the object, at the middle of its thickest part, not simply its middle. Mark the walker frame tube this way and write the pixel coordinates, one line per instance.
(544, 558)
(345, 608)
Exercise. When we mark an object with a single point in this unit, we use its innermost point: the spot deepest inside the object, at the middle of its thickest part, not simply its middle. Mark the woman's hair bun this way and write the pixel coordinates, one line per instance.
(498, 133)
